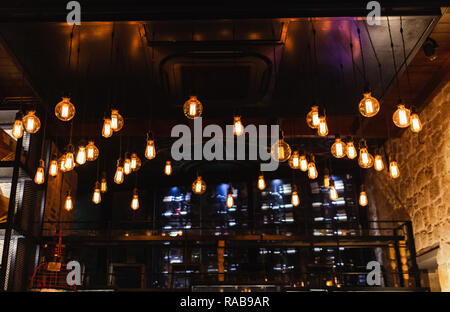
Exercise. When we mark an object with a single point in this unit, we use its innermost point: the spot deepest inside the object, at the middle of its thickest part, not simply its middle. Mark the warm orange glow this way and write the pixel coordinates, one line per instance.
(39, 178)
(351, 150)
(68, 204)
(363, 201)
(416, 124)
(17, 130)
(326, 181)
(295, 199)
(119, 175)
(378, 163)
(150, 150)
(135, 200)
(312, 119)
(332, 191)
(81, 155)
(394, 171)
(192, 108)
(238, 127)
(168, 168)
(53, 169)
(401, 116)
(312, 171)
(303, 163)
(65, 110)
(92, 151)
(103, 184)
(199, 186)
(107, 131)
(69, 162)
(31, 122)
(135, 162)
(322, 130)
(230, 199)
(369, 106)
(127, 165)
(365, 159)
(96, 196)
(281, 151)
(261, 182)
(294, 161)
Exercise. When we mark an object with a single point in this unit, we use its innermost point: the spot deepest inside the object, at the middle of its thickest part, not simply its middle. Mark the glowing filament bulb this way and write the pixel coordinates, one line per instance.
(69, 162)
(135, 200)
(96, 196)
(261, 182)
(114, 119)
(238, 128)
(338, 148)
(365, 159)
(118, 176)
(303, 163)
(168, 168)
(199, 186)
(351, 150)
(326, 181)
(363, 201)
(68, 203)
(91, 151)
(127, 166)
(150, 151)
(81, 155)
(17, 131)
(230, 200)
(53, 170)
(401, 117)
(31, 122)
(378, 164)
(369, 106)
(192, 109)
(332, 191)
(416, 125)
(107, 131)
(312, 119)
(39, 178)
(312, 171)
(322, 130)
(394, 170)
(65, 110)
(294, 161)
(103, 184)
(295, 199)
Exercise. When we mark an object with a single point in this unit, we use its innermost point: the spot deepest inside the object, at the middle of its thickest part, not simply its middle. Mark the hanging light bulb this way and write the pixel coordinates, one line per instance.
(150, 150)
(401, 116)
(17, 130)
(192, 108)
(394, 171)
(295, 199)
(116, 120)
(103, 183)
(369, 106)
(118, 176)
(68, 203)
(312, 171)
(127, 165)
(135, 162)
(230, 199)
(363, 201)
(92, 151)
(261, 182)
(69, 162)
(332, 191)
(135, 200)
(96, 196)
(62, 162)
(294, 161)
(378, 163)
(238, 127)
(81, 155)
(312, 119)
(31, 122)
(107, 131)
(168, 168)
(365, 159)
(53, 169)
(303, 163)
(416, 125)
(199, 186)
(351, 150)
(281, 151)
(322, 130)
(326, 178)
(65, 110)
(39, 178)
(338, 148)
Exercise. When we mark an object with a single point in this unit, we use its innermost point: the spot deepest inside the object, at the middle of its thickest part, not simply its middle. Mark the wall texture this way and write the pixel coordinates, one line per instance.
(421, 192)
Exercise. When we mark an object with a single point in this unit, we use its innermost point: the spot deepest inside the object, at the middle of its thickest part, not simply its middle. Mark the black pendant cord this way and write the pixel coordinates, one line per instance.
(111, 52)
(98, 168)
(355, 84)
(404, 56)
(316, 63)
(70, 51)
(311, 72)
(393, 58)
(377, 59)
(366, 83)
(43, 135)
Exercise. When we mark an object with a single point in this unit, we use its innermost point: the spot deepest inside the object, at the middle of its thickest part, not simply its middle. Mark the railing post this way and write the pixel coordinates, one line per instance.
(412, 251)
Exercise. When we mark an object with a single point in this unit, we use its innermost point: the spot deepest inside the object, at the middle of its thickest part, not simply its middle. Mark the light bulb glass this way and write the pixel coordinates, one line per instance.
(127, 166)
(199, 186)
(351, 150)
(92, 151)
(53, 169)
(322, 130)
(119, 175)
(230, 199)
(312, 171)
(168, 168)
(294, 161)
(192, 108)
(295, 199)
(31, 122)
(312, 119)
(65, 110)
(81, 155)
(39, 177)
(135, 162)
(338, 148)
(333, 192)
(135, 201)
(150, 150)
(416, 125)
(394, 171)
(303, 163)
(326, 181)
(401, 116)
(62, 163)
(68, 203)
(238, 127)
(365, 159)
(107, 131)
(369, 106)
(103, 185)
(363, 201)
(96, 196)
(261, 182)
(17, 130)
(69, 162)
(281, 151)
(116, 120)
(378, 163)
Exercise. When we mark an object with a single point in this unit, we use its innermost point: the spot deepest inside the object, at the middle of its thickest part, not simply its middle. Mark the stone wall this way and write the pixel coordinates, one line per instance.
(421, 192)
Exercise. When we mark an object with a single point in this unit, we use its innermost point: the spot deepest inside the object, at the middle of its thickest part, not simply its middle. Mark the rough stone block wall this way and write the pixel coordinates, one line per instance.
(421, 192)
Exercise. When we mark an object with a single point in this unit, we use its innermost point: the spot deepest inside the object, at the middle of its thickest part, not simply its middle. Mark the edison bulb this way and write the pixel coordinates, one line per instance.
(150, 150)
(312, 119)
(119, 175)
(378, 163)
(127, 165)
(68, 203)
(116, 120)
(369, 106)
(69, 162)
(338, 148)
(92, 151)
(17, 130)
(295, 199)
(294, 161)
(135, 162)
(351, 150)
(238, 128)
(322, 130)
(39, 178)
(401, 116)
(81, 155)
(31, 122)
(363, 201)
(192, 108)
(168, 168)
(107, 131)
(326, 181)
(96, 196)
(103, 184)
(199, 186)
(333, 192)
(62, 162)
(365, 160)
(261, 182)
(303, 163)
(65, 110)
(281, 151)
(416, 125)
(394, 171)
(135, 200)
(53, 169)
(312, 171)
(230, 199)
